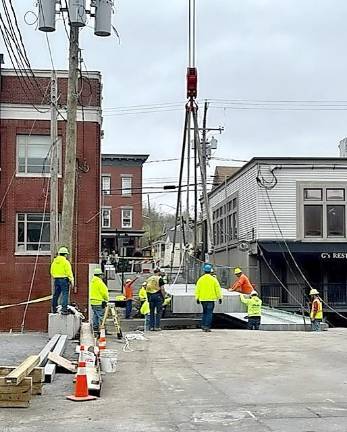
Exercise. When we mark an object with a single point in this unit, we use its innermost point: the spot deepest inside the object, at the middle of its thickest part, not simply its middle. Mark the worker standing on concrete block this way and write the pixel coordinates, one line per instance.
(98, 298)
(156, 295)
(207, 291)
(62, 274)
(129, 295)
(253, 310)
(316, 314)
(242, 285)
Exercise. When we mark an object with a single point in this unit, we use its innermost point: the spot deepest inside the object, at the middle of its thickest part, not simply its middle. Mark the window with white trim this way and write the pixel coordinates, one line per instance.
(34, 153)
(225, 222)
(127, 218)
(106, 218)
(324, 212)
(33, 232)
(127, 183)
(106, 184)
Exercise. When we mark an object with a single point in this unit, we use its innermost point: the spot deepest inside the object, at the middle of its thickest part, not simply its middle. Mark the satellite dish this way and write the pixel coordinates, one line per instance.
(243, 246)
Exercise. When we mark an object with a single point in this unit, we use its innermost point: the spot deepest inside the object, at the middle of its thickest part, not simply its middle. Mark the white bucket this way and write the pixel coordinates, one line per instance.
(108, 360)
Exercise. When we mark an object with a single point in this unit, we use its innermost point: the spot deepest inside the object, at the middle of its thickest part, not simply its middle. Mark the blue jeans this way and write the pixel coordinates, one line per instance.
(315, 325)
(207, 314)
(98, 314)
(128, 308)
(61, 287)
(253, 323)
(155, 307)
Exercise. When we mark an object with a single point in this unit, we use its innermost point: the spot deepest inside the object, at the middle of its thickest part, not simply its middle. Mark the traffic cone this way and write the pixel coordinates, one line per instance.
(81, 385)
(102, 340)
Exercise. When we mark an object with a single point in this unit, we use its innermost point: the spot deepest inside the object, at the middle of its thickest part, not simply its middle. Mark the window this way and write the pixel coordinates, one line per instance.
(106, 184)
(33, 232)
(313, 221)
(127, 218)
(335, 194)
(324, 212)
(33, 154)
(225, 222)
(313, 194)
(127, 186)
(106, 218)
(336, 221)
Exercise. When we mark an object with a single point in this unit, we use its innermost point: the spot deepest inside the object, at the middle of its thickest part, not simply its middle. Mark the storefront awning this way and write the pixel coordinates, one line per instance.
(339, 249)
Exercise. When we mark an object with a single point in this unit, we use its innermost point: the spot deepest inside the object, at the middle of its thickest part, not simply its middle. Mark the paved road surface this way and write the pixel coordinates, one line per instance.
(183, 381)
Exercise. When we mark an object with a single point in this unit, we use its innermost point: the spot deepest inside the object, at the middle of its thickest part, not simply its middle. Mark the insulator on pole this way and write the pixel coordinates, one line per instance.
(103, 17)
(47, 15)
(77, 13)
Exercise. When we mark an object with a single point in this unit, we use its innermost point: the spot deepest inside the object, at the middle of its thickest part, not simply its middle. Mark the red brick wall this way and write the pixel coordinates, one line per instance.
(116, 200)
(28, 195)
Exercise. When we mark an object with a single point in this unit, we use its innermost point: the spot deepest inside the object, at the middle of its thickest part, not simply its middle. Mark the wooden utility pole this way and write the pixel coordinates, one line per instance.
(54, 169)
(67, 222)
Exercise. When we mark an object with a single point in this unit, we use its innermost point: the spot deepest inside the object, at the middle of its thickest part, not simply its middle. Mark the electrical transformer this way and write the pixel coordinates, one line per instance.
(47, 15)
(77, 13)
(103, 17)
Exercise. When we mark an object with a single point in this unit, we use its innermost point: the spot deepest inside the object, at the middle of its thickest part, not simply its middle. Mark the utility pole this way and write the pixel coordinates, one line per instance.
(54, 169)
(67, 222)
(150, 219)
(204, 141)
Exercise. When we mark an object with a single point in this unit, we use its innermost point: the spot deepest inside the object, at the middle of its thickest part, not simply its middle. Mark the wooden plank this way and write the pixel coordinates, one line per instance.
(38, 374)
(36, 389)
(14, 404)
(23, 397)
(47, 349)
(23, 370)
(50, 367)
(23, 386)
(63, 362)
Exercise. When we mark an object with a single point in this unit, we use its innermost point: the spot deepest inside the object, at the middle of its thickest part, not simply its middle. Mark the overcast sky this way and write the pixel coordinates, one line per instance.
(246, 49)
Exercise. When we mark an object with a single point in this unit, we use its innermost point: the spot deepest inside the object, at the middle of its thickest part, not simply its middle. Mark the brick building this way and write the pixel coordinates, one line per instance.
(121, 202)
(24, 193)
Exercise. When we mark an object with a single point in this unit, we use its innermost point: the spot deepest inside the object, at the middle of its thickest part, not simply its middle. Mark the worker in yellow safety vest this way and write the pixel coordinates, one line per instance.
(207, 291)
(145, 311)
(316, 314)
(156, 295)
(98, 297)
(62, 274)
(253, 310)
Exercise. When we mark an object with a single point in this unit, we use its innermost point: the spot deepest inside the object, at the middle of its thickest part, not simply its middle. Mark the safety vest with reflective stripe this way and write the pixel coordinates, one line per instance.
(253, 305)
(316, 309)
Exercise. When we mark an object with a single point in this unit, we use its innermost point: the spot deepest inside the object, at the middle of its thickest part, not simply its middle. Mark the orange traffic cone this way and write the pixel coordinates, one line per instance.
(81, 385)
(102, 339)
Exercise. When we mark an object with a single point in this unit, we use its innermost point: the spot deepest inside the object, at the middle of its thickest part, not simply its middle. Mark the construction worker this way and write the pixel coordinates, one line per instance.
(61, 272)
(253, 310)
(142, 294)
(166, 303)
(316, 314)
(156, 295)
(98, 297)
(207, 291)
(242, 284)
(129, 294)
(145, 311)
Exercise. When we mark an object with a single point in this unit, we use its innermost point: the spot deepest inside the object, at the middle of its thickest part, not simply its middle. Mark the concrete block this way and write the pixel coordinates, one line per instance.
(63, 324)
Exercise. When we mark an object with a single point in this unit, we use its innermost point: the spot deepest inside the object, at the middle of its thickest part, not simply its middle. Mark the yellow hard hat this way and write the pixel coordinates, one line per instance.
(314, 292)
(237, 271)
(120, 298)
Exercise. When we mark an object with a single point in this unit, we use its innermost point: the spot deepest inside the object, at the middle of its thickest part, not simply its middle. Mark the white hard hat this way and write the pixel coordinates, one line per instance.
(314, 292)
(253, 293)
(128, 280)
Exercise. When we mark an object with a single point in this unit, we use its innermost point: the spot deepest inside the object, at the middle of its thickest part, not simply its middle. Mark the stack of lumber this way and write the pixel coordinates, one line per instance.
(19, 384)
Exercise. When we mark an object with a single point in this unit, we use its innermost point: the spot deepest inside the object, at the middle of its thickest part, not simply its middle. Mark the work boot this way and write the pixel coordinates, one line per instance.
(207, 330)
(157, 329)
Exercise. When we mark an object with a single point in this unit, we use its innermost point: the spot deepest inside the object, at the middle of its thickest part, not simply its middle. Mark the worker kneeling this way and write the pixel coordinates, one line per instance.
(98, 295)
(207, 291)
(253, 310)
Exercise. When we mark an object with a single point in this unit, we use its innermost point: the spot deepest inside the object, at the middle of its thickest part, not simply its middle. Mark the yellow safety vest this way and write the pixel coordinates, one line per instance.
(98, 291)
(319, 314)
(208, 288)
(153, 284)
(61, 268)
(143, 294)
(253, 305)
(145, 308)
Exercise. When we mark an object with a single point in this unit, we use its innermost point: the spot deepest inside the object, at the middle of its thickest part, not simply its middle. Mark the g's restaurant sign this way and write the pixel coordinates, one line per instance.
(334, 255)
